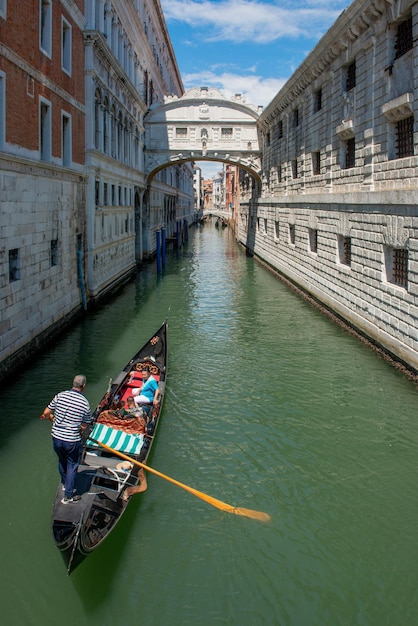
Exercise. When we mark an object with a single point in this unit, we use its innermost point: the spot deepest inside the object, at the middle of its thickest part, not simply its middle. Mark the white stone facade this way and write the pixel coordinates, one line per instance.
(203, 125)
(338, 212)
(130, 66)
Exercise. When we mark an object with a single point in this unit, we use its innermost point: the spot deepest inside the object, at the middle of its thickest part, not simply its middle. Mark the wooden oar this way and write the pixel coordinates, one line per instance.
(263, 517)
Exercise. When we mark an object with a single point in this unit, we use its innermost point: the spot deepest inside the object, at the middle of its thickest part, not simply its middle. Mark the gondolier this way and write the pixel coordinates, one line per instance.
(68, 411)
(104, 485)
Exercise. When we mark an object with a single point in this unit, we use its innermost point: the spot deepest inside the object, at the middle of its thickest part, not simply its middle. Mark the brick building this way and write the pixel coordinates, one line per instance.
(78, 211)
(42, 179)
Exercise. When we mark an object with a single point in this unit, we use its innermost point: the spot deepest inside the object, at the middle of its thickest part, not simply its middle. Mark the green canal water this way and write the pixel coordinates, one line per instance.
(269, 406)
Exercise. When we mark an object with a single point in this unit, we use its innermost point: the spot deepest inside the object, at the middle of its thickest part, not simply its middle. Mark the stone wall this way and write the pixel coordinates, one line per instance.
(39, 207)
(337, 214)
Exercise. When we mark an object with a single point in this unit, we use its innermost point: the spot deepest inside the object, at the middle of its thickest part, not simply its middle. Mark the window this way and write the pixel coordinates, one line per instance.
(105, 198)
(294, 168)
(403, 40)
(350, 76)
(45, 127)
(316, 163)
(350, 153)
(292, 234)
(344, 250)
(54, 252)
(296, 118)
(97, 192)
(66, 140)
(181, 132)
(3, 9)
(313, 240)
(280, 129)
(45, 26)
(276, 229)
(14, 265)
(317, 101)
(279, 174)
(226, 133)
(396, 265)
(268, 139)
(405, 137)
(66, 44)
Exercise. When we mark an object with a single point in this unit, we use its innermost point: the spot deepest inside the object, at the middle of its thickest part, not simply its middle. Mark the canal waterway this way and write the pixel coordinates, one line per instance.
(269, 406)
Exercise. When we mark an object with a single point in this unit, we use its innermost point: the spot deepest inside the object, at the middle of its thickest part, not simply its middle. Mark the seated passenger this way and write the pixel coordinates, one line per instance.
(148, 393)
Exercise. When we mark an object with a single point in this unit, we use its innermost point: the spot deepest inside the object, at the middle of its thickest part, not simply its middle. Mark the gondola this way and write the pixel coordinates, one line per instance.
(104, 481)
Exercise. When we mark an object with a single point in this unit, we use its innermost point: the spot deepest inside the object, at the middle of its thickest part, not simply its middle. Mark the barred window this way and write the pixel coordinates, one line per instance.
(292, 234)
(344, 250)
(294, 168)
(276, 229)
(313, 240)
(350, 77)
(396, 261)
(316, 163)
(403, 41)
(317, 103)
(350, 153)
(405, 137)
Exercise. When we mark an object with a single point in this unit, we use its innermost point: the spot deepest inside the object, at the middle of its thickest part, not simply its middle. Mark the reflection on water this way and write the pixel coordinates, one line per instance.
(269, 406)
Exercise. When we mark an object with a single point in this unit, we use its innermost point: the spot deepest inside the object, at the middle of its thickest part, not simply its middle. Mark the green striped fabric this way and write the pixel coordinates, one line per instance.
(116, 439)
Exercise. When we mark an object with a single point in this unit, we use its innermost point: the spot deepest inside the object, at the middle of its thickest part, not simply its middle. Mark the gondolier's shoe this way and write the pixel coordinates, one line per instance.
(66, 500)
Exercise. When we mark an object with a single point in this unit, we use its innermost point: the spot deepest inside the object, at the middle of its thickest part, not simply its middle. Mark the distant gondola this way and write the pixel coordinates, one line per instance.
(103, 481)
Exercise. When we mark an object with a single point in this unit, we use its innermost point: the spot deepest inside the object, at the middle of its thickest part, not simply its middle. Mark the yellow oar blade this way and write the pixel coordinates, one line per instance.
(262, 517)
(259, 515)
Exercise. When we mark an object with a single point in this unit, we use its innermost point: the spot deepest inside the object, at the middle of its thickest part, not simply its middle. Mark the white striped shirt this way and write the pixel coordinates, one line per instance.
(70, 409)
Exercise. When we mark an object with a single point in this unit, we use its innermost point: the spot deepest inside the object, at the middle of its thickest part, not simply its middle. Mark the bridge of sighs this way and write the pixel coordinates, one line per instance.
(202, 125)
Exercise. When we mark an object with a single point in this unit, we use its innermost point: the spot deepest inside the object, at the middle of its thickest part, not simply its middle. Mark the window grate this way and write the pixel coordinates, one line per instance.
(405, 137)
(404, 41)
(316, 163)
(347, 250)
(313, 240)
(350, 153)
(318, 100)
(400, 267)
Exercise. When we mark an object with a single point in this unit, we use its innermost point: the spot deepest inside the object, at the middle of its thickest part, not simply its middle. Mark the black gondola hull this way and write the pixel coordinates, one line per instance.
(102, 480)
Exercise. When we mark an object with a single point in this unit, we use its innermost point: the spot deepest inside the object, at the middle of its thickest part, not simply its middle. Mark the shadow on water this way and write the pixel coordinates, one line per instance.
(94, 578)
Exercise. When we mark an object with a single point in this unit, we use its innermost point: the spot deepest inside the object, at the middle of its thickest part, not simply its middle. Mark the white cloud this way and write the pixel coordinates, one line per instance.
(259, 22)
(256, 89)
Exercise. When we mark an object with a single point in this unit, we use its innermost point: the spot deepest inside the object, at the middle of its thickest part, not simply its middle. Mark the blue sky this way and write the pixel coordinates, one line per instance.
(245, 46)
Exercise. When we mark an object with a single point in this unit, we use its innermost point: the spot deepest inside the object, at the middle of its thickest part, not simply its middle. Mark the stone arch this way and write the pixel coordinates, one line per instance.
(202, 125)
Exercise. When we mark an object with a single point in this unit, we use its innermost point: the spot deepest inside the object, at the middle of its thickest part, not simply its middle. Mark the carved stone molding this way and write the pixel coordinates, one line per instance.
(399, 108)
(394, 233)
